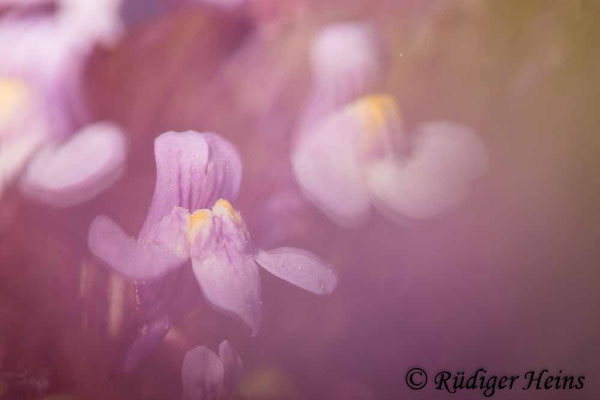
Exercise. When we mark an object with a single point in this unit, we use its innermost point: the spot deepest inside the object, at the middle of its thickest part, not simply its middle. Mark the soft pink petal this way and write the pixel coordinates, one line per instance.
(15, 151)
(345, 60)
(79, 169)
(453, 148)
(223, 262)
(141, 260)
(232, 364)
(193, 171)
(445, 158)
(202, 375)
(230, 282)
(298, 267)
(328, 167)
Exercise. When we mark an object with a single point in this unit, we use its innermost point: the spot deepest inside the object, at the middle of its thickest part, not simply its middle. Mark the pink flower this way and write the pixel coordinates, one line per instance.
(190, 218)
(206, 375)
(346, 162)
(42, 107)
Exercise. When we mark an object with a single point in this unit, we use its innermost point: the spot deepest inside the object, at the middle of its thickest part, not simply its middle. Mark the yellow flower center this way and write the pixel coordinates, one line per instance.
(14, 94)
(199, 219)
(223, 206)
(377, 112)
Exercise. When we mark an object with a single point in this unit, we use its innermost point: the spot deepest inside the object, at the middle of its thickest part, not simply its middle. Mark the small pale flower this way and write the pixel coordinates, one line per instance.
(71, 172)
(196, 171)
(208, 376)
(41, 104)
(347, 162)
(330, 160)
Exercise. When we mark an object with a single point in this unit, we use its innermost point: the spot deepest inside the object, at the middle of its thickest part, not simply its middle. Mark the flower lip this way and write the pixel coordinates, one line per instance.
(377, 111)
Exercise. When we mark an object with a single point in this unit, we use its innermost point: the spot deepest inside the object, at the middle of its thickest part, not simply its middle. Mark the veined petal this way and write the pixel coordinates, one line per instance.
(445, 159)
(329, 161)
(232, 363)
(224, 265)
(142, 260)
(299, 267)
(193, 170)
(79, 169)
(202, 375)
(230, 283)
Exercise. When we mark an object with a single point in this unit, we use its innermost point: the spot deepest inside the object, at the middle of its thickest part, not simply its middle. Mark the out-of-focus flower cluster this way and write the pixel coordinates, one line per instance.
(261, 126)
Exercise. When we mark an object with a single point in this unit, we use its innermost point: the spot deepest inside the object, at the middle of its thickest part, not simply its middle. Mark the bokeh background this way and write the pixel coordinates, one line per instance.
(508, 280)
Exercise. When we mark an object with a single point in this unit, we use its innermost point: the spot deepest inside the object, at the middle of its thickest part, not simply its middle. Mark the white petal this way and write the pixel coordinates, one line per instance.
(328, 168)
(79, 169)
(437, 175)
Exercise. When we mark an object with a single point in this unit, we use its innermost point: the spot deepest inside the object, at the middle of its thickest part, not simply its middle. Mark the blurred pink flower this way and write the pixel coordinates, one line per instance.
(41, 102)
(347, 161)
(206, 375)
(195, 171)
(345, 60)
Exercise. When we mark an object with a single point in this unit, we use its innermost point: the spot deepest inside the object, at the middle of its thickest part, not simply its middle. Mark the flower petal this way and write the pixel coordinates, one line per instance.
(15, 152)
(408, 190)
(345, 61)
(149, 337)
(299, 267)
(437, 175)
(329, 160)
(202, 375)
(231, 283)
(79, 169)
(223, 262)
(141, 260)
(455, 149)
(232, 364)
(193, 170)
(328, 169)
